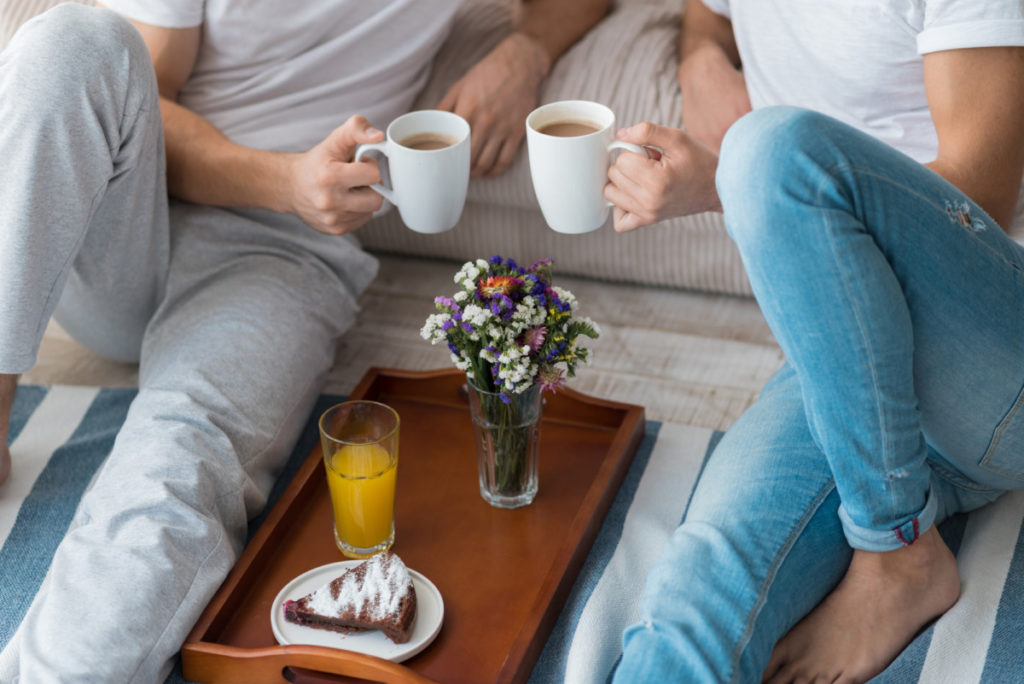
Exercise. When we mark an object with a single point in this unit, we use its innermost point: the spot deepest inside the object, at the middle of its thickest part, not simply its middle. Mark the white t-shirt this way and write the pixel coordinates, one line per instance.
(282, 74)
(860, 61)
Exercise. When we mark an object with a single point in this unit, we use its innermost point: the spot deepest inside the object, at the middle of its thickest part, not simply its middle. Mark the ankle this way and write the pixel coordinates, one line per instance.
(8, 386)
(927, 560)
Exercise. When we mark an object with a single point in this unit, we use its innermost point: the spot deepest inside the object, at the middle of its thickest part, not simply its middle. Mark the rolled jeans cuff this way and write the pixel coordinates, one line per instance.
(904, 534)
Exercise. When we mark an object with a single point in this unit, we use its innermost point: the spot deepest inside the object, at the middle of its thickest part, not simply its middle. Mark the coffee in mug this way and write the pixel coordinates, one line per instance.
(428, 161)
(570, 145)
(570, 129)
(427, 141)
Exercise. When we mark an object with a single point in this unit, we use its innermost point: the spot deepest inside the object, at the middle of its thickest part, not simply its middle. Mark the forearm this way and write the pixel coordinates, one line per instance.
(205, 167)
(554, 25)
(998, 199)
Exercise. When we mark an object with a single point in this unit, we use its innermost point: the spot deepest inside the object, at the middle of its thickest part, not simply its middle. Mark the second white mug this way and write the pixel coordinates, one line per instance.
(428, 161)
(570, 145)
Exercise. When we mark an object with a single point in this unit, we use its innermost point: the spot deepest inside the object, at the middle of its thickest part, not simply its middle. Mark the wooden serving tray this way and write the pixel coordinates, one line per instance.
(504, 575)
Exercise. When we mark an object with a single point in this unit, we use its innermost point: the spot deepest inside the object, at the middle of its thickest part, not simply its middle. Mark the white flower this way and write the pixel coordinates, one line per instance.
(566, 296)
(482, 264)
(460, 296)
(476, 315)
(432, 330)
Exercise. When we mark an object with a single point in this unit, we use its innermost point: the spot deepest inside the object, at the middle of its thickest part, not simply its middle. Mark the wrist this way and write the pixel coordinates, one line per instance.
(282, 189)
(534, 55)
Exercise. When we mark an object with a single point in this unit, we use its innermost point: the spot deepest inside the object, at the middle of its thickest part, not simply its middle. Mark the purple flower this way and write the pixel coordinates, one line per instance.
(467, 327)
(494, 260)
(505, 398)
(453, 348)
(555, 353)
(447, 325)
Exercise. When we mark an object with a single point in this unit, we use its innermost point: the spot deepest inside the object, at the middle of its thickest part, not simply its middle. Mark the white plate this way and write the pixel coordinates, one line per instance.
(429, 615)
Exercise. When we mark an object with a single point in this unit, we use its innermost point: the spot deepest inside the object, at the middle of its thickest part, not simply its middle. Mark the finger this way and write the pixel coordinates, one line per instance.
(450, 99)
(362, 201)
(631, 181)
(628, 213)
(488, 155)
(620, 199)
(357, 174)
(505, 158)
(625, 221)
(343, 140)
(649, 134)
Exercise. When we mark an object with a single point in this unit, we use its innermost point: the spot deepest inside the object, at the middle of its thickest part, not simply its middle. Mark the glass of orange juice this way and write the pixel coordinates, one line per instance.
(360, 445)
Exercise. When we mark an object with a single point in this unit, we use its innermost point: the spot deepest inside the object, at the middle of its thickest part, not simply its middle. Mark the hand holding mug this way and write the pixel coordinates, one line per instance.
(677, 182)
(328, 189)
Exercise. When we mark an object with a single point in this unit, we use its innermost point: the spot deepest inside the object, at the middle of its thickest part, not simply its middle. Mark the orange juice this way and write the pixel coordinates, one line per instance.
(361, 478)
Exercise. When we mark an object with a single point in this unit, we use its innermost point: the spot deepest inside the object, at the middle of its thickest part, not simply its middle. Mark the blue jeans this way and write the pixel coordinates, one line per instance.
(899, 305)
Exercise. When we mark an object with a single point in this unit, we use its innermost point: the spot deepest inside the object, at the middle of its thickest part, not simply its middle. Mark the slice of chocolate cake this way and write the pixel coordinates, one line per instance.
(376, 594)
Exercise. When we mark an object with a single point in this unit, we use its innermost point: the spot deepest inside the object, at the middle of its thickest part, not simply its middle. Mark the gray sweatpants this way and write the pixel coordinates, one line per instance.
(233, 316)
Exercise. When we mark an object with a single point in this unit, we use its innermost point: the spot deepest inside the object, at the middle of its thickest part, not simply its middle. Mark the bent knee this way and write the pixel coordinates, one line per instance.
(71, 43)
(768, 157)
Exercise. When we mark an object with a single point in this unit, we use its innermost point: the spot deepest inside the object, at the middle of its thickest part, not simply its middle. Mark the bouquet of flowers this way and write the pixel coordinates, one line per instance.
(509, 328)
(514, 334)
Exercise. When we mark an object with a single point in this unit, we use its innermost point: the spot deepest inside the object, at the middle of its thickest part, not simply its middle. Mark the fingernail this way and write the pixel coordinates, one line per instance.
(374, 131)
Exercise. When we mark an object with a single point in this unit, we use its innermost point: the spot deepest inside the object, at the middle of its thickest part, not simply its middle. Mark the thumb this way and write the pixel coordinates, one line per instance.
(341, 144)
(647, 134)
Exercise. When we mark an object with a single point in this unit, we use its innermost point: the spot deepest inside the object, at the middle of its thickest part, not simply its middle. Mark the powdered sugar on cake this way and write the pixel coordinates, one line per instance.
(379, 591)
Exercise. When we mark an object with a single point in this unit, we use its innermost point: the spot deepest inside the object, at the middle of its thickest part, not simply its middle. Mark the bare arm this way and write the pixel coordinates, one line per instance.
(203, 166)
(713, 87)
(497, 93)
(321, 186)
(976, 98)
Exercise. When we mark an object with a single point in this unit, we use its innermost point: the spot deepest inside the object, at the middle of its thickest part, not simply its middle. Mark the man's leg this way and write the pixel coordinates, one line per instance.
(232, 364)
(760, 545)
(83, 209)
(762, 516)
(883, 283)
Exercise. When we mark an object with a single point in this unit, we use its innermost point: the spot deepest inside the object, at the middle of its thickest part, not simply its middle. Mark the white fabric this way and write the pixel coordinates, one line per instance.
(282, 75)
(861, 62)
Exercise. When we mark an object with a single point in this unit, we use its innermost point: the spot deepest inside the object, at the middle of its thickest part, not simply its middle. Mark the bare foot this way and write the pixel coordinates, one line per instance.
(882, 602)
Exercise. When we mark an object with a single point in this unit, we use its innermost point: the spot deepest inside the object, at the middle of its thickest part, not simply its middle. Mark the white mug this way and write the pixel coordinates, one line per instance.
(427, 185)
(569, 173)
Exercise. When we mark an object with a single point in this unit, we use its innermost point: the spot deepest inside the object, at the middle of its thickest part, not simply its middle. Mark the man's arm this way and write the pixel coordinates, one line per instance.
(976, 98)
(714, 90)
(496, 95)
(321, 186)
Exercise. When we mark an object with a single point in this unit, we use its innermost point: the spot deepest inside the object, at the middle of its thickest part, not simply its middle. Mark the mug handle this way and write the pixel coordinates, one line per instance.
(380, 147)
(619, 145)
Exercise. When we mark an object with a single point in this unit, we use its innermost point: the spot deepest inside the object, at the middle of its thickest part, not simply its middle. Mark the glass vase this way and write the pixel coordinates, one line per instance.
(507, 436)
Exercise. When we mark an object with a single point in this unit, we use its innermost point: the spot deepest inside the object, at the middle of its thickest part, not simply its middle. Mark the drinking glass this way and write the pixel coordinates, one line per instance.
(360, 446)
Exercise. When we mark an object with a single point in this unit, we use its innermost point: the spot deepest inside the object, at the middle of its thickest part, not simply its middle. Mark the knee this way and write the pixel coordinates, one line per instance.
(767, 157)
(73, 44)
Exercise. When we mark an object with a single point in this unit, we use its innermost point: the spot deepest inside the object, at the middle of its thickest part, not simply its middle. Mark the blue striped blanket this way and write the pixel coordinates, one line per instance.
(62, 434)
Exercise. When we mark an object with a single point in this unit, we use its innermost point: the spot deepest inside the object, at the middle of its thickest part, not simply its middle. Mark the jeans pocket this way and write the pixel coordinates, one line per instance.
(1005, 453)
